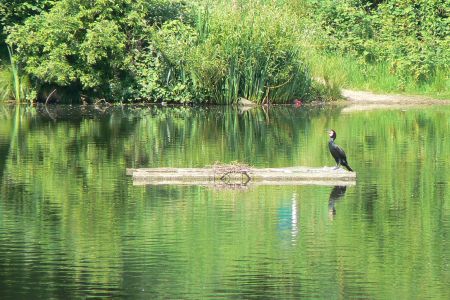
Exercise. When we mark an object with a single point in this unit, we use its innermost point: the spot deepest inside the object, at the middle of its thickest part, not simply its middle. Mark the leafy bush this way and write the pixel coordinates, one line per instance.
(413, 36)
(15, 11)
(347, 27)
(160, 70)
(91, 45)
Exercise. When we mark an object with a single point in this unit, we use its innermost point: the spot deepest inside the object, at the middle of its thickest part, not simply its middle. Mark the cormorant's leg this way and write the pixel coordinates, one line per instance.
(337, 166)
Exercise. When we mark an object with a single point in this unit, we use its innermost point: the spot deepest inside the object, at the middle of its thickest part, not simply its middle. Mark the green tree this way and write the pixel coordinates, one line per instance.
(15, 12)
(89, 46)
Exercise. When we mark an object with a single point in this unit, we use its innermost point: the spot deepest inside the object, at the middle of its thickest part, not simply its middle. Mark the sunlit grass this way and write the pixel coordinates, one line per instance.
(348, 72)
(13, 85)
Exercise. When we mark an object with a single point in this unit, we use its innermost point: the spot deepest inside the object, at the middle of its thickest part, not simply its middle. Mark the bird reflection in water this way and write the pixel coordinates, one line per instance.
(336, 193)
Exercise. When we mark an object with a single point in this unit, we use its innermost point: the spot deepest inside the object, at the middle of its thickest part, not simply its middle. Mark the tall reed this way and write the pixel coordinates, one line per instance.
(15, 73)
(253, 52)
(13, 85)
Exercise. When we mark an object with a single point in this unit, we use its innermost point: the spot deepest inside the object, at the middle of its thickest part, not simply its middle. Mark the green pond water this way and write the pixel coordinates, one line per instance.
(73, 225)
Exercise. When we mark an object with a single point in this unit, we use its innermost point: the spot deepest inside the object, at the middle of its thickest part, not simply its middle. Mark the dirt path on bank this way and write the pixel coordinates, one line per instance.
(371, 98)
(362, 100)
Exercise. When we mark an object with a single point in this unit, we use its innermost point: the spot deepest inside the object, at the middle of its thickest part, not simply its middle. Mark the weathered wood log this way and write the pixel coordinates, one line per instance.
(224, 175)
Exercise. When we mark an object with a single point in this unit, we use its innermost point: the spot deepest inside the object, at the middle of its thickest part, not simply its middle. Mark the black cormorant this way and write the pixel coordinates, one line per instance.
(337, 152)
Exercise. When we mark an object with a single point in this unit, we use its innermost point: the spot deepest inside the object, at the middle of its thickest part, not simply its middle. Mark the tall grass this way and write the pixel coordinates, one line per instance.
(249, 51)
(13, 85)
(349, 72)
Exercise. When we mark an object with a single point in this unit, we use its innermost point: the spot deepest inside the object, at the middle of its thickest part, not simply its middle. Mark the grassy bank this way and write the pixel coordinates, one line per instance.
(348, 72)
(219, 51)
(383, 46)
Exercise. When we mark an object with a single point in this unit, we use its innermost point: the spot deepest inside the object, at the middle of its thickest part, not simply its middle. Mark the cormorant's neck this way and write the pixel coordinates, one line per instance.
(331, 140)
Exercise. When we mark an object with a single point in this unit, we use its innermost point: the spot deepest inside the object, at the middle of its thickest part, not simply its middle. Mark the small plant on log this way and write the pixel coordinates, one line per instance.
(227, 172)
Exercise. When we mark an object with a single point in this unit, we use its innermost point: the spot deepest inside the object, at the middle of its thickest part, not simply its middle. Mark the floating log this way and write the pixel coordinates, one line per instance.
(242, 176)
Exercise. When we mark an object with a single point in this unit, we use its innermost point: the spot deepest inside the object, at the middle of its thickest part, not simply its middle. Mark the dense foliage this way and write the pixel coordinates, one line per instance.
(412, 36)
(89, 46)
(217, 52)
(16, 11)
(154, 51)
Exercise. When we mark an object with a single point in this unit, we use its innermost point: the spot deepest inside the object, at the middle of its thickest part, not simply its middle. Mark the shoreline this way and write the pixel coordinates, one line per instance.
(365, 97)
(349, 97)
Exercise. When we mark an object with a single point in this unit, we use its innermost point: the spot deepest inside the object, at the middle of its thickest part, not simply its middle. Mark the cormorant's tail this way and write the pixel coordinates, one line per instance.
(347, 166)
